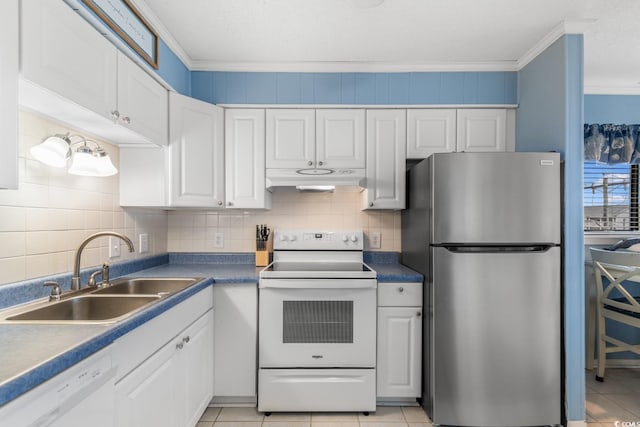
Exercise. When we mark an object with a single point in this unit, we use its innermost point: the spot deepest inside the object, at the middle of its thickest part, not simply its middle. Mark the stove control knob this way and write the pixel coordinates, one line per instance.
(292, 238)
(345, 239)
(354, 238)
(283, 238)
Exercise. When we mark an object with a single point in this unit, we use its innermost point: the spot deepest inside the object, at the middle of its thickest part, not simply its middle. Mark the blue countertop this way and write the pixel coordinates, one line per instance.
(39, 352)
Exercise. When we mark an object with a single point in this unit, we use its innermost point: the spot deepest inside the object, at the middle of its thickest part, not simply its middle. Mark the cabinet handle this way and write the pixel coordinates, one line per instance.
(309, 163)
(230, 203)
(401, 289)
(371, 204)
(419, 313)
(320, 163)
(186, 339)
(115, 114)
(179, 346)
(126, 120)
(219, 202)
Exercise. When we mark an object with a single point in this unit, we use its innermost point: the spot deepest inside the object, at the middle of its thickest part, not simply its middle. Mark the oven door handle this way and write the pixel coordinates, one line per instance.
(318, 284)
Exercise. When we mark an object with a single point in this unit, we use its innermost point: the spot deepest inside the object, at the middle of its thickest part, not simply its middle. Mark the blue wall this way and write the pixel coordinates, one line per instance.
(355, 88)
(619, 109)
(550, 117)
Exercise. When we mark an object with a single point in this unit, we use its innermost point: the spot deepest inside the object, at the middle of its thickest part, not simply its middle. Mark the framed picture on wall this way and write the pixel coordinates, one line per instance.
(126, 21)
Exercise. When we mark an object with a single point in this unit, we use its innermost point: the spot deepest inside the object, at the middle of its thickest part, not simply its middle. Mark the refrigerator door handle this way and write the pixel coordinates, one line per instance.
(534, 248)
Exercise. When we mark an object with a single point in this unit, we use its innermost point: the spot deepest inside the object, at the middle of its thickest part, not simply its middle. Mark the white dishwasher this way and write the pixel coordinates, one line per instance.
(79, 396)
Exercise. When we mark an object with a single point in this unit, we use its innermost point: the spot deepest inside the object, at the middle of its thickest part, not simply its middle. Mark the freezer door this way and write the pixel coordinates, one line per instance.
(496, 338)
(496, 197)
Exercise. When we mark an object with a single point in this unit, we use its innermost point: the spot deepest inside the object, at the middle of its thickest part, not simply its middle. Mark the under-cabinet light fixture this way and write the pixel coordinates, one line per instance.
(57, 150)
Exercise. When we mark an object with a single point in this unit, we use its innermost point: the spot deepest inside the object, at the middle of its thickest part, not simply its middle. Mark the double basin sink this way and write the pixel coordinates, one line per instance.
(108, 304)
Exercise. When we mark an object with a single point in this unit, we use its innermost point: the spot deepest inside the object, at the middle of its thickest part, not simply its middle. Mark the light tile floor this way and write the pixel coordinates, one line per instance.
(615, 399)
(385, 416)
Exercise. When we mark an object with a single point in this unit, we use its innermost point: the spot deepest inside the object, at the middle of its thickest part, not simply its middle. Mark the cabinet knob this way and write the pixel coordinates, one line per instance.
(371, 204)
(320, 163)
(419, 313)
(126, 120)
(219, 202)
(309, 163)
(114, 115)
(186, 339)
(401, 289)
(179, 346)
(230, 203)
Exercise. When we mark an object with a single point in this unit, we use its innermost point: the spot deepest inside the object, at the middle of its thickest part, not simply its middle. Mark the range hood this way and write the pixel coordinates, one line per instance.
(315, 176)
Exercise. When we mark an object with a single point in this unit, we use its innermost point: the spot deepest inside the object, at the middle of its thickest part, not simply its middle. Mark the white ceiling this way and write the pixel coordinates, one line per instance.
(400, 35)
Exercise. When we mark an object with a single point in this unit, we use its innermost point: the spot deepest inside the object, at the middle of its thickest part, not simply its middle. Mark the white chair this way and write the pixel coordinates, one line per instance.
(616, 299)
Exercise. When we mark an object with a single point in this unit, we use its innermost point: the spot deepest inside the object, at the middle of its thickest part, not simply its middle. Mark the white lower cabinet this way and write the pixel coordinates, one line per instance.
(165, 367)
(399, 365)
(236, 330)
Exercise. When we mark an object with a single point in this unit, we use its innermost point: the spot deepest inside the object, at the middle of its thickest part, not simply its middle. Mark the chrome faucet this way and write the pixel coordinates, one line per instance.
(75, 280)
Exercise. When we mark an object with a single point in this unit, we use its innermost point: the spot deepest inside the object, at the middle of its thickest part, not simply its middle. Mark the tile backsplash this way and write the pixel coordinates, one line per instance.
(44, 221)
(194, 231)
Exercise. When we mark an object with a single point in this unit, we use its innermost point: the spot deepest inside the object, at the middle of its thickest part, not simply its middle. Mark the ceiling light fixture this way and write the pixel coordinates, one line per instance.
(56, 151)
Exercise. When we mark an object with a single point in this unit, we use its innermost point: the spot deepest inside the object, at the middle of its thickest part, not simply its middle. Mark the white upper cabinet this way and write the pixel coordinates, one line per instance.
(142, 102)
(482, 130)
(386, 156)
(245, 159)
(188, 173)
(430, 131)
(73, 74)
(305, 138)
(340, 139)
(291, 138)
(197, 152)
(9, 34)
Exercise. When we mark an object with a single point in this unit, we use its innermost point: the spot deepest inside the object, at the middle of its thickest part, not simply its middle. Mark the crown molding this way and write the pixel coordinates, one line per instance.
(354, 67)
(163, 32)
(577, 26)
(611, 90)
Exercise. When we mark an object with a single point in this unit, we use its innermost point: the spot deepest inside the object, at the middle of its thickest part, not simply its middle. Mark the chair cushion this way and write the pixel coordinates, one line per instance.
(622, 310)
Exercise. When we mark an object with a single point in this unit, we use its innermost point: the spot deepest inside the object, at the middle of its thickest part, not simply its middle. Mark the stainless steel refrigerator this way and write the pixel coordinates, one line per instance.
(485, 230)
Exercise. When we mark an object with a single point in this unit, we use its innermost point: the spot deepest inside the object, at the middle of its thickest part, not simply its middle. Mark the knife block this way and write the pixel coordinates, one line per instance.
(262, 258)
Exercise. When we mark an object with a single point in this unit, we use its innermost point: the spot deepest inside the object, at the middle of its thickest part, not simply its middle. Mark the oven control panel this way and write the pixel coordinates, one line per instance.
(318, 240)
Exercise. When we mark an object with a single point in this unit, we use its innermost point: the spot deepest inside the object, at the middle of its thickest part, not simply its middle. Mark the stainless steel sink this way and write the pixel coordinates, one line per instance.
(146, 286)
(87, 309)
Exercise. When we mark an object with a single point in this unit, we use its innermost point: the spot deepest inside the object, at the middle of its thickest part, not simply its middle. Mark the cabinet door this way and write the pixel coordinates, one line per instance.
(235, 307)
(386, 145)
(481, 130)
(399, 352)
(148, 395)
(142, 102)
(66, 55)
(197, 152)
(291, 137)
(245, 159)
(197, 355)
(430, 131)
(9, 42)
(340, 138)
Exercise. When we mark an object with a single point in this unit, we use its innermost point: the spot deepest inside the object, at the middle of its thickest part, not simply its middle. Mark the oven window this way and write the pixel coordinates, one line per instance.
(327, 322)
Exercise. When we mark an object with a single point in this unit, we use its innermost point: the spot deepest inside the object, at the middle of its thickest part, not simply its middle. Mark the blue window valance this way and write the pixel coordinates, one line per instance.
(611, 143)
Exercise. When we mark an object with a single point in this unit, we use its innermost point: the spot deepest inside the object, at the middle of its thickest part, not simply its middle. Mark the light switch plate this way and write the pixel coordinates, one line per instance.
(375, 240)
(144, 243)
(114, 247)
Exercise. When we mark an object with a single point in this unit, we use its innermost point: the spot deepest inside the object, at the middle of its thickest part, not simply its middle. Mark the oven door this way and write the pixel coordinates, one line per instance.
(317, 323)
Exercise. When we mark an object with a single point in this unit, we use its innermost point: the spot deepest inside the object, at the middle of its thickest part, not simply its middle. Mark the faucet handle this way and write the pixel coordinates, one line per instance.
(105, 274)
(55, 290)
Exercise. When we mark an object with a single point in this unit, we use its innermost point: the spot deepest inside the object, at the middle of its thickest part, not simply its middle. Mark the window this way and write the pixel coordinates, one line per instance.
(610, 197)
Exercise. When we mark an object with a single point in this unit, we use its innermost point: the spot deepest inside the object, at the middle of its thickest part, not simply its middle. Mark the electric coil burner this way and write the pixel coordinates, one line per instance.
(317, 324)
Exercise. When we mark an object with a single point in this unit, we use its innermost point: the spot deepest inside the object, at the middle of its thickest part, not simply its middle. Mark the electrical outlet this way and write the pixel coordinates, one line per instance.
(144, 243)
(114, 247)
(218, 240)
(375, 240)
